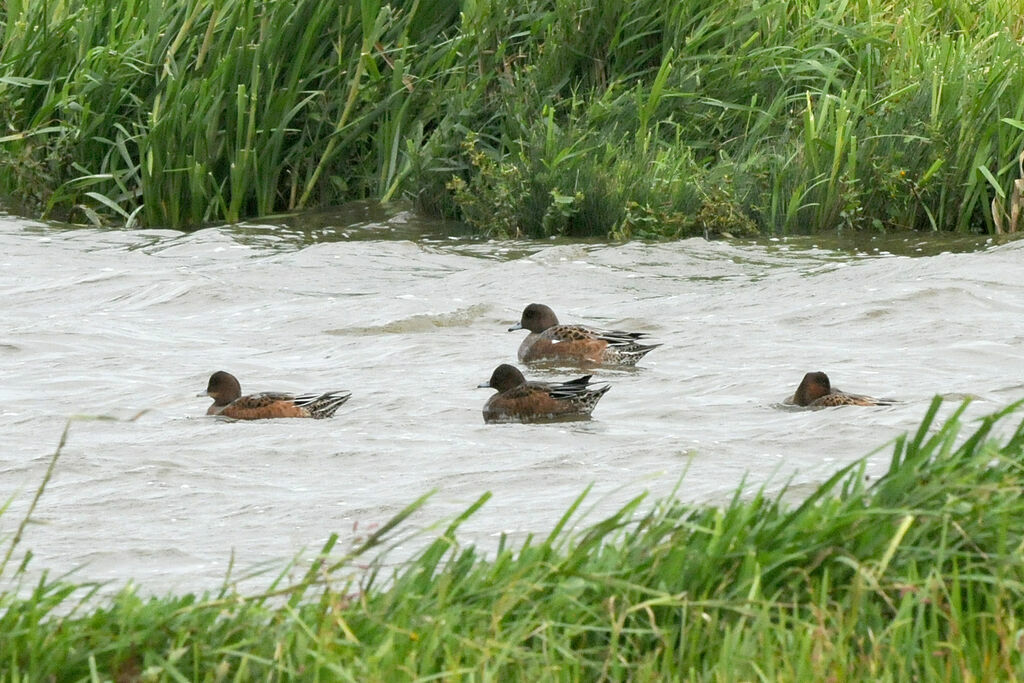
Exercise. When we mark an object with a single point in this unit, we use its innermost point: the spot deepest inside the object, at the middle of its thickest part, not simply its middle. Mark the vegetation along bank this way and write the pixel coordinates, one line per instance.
(629, 118)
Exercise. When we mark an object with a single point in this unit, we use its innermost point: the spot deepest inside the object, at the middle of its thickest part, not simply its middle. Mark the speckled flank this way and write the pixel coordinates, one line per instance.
(259, 407)
(841, 398)
(549, 346)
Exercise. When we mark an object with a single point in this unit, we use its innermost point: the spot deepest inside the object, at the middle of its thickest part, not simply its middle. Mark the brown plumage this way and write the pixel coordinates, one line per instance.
(520, 401)
(815, 391)
(548, 340)
(228, 401)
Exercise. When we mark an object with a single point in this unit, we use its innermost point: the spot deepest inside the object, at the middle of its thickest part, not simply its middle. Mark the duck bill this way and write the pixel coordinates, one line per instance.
(485, 385)
(203, 394)
(517, 326)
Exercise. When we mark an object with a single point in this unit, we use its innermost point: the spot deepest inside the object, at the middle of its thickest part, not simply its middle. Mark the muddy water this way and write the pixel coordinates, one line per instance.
(410, 318)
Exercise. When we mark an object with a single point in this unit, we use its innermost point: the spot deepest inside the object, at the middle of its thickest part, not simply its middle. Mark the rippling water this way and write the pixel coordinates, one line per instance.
(411, 319)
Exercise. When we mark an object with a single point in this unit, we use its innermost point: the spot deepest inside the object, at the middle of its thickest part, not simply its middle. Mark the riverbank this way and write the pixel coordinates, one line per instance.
(914, 574)
(650, 118)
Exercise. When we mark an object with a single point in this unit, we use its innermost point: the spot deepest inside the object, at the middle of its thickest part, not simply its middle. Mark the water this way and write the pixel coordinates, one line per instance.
(410, 320)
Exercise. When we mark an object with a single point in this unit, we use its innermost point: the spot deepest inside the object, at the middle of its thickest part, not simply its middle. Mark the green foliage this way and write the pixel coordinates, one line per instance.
(491, 198)
(635, 118)
(915, 575)
(200, 111)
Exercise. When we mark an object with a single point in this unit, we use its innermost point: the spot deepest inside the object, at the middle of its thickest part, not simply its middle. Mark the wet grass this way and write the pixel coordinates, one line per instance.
(916, 575)
(635, 118)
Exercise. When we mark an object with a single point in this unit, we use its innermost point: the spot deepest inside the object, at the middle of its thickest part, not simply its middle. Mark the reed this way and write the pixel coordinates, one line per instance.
(631, 118)
(915, 574)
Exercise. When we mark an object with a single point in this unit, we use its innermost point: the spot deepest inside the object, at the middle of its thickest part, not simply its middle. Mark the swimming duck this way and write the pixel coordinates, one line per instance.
(548, 340)
(229, 402)
(815, 391)
(520, 401)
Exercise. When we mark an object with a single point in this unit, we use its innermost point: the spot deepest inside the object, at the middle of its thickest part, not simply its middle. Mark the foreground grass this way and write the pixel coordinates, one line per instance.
(914, 576)
(629, 118)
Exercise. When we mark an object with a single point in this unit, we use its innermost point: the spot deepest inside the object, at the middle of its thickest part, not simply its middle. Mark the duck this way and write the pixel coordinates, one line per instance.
(228, 401)
(579, 344)
(518, 400)
(816, 391)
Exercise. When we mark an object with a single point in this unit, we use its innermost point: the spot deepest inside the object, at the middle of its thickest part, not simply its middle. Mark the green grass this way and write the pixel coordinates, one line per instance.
(915, 575)
(630, 118)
